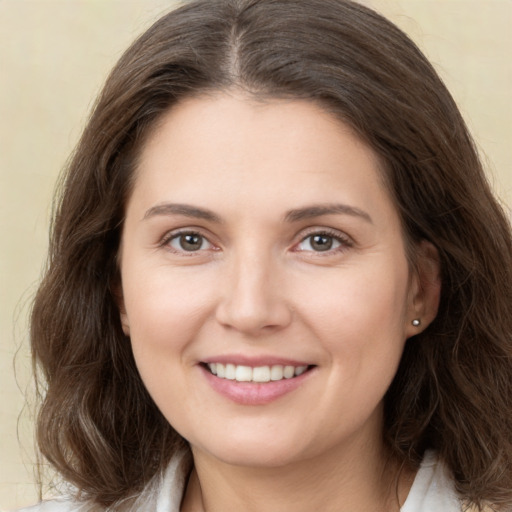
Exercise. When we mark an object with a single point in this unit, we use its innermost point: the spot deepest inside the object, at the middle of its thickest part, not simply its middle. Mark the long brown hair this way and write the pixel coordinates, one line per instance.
(453, 391)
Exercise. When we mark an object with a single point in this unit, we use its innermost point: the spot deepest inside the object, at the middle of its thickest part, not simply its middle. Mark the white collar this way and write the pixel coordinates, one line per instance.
(431, 491)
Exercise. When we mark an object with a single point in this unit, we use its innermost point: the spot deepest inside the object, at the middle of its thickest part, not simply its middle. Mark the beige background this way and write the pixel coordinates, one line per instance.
(54, 56)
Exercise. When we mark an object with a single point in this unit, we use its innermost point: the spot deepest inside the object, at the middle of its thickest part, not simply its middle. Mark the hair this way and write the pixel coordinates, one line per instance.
(97, 424)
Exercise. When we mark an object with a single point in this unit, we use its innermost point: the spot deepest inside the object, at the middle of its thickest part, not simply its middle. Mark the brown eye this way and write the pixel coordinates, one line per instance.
(189, 242)
(320, 242)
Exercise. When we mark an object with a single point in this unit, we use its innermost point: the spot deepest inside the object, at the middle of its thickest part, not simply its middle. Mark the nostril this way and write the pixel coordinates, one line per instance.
(253, 317)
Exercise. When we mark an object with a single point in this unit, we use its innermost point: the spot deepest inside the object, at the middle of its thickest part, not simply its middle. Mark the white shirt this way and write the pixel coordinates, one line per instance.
(431, 491)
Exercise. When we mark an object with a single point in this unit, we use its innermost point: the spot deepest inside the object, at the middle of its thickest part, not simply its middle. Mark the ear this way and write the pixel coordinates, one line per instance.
(124, 321)
(117, 293)
(425, 288)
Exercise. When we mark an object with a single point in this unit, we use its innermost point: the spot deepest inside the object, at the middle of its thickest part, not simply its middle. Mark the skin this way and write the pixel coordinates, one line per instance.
(259, 287)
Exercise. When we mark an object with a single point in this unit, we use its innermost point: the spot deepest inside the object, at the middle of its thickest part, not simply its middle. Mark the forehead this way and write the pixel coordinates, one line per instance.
(232, 125)
(293, 151)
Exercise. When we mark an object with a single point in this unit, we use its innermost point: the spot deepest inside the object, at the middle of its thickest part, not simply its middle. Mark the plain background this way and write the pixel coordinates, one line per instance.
(54, 56)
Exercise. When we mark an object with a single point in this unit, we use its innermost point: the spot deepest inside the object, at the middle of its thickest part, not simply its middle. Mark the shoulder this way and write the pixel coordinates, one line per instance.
(163, 494)
(433, 488)
(58, 505)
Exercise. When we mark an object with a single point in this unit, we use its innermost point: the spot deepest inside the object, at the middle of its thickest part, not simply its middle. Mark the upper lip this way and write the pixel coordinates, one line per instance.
(255, 361)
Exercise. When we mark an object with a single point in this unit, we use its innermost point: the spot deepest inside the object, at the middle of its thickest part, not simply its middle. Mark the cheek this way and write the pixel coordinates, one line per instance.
(356, 312)
(164, 308)
(165, 311)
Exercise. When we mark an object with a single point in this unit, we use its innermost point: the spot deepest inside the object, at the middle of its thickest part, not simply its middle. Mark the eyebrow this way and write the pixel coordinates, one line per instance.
(182, 209)
(295, 215)
(312, 211)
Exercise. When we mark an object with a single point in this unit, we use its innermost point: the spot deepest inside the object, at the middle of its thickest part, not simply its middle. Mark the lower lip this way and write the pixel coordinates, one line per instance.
(254, 393)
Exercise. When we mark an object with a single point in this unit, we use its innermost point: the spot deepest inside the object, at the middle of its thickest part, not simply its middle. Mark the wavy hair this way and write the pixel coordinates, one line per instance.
(97, 424)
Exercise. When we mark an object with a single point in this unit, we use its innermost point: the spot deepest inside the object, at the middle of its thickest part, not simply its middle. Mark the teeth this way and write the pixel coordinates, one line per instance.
(221, 370)
(276, 372)
(243, 373)
(300, 370)
(230, 372)
(261, 374)
(258, 374)
(288, 372)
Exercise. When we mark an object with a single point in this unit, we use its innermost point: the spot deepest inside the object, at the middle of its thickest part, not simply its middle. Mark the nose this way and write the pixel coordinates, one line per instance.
(253, 298)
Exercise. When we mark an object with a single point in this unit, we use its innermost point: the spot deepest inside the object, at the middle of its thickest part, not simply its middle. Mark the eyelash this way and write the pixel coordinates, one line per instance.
(175, 235)
(344, 241)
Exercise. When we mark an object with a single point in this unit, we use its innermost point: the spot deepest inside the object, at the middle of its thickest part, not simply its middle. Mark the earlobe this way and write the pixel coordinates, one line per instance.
(124, 323)
(425, 288)
(117, 293)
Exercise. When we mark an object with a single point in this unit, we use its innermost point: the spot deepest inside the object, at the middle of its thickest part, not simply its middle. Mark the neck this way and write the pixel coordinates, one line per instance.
(363, 479)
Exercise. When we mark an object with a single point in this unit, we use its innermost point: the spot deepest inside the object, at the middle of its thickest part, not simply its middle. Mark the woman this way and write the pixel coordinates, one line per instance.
(278, 277)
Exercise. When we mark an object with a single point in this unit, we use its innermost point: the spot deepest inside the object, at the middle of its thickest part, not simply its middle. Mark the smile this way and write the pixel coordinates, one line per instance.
(256, 383)
(242, 373)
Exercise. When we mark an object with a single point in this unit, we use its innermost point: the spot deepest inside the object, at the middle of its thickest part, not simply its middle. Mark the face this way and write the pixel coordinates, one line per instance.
(265, 285)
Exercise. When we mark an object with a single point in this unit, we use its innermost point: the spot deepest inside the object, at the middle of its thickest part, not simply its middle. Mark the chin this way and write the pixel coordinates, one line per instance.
(264, 453)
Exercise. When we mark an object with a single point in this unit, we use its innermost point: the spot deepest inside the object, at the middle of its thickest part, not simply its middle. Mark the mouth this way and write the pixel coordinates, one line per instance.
(256, 374)
(252, 382)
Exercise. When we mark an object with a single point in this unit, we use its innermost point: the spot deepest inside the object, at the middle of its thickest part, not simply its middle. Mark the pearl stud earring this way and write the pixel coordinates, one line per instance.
(416, 322)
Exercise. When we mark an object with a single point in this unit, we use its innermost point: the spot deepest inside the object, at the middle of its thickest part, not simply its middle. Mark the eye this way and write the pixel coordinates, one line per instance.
(188, 242)
(323, 242)
(318, 243)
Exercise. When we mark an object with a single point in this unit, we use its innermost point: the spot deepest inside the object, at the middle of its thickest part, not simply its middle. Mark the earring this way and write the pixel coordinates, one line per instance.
(416, 322)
